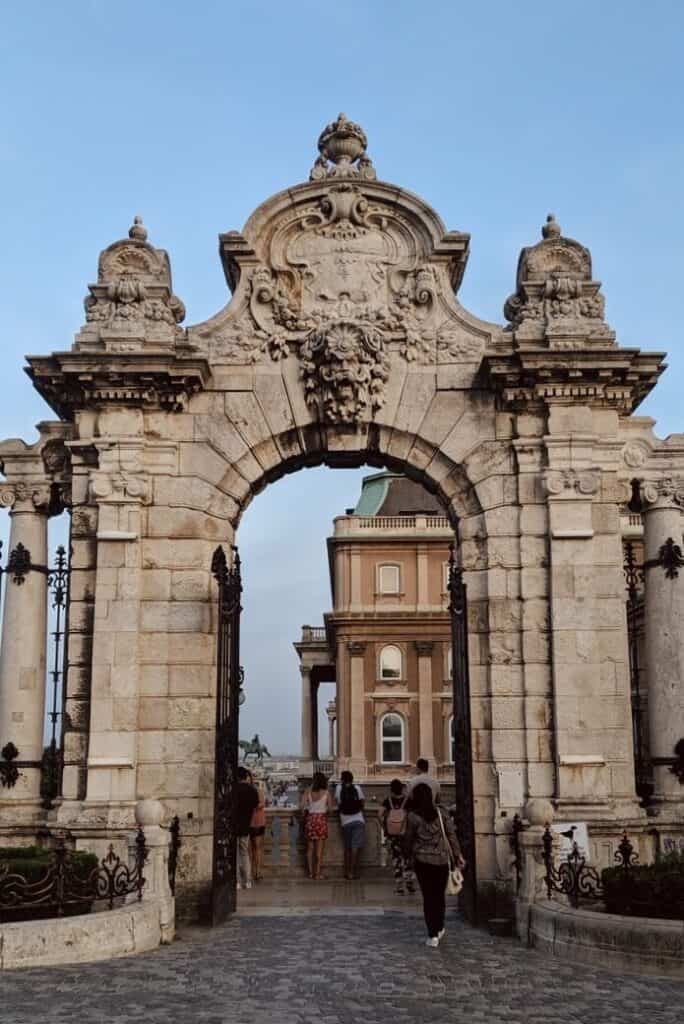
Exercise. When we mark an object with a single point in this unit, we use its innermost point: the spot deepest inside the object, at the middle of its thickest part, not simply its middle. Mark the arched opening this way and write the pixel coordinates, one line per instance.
(368, 578)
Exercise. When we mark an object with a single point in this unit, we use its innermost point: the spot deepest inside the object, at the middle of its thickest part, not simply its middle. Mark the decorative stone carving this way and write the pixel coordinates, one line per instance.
(356, 647)
(635, 454)
(120, 487)
(83, 522)
(347, 274)
(584, 482)
(132, 302)
(669, 491)
(24, 495)
(342, 148)
(556, 299)
(345, 369)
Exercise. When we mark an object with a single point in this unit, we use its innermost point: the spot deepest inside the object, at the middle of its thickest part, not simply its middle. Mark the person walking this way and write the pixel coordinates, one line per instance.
(350, 803)
(394, 821)
(257, 829)
(432, 844)
(245, 801)
(315, 805)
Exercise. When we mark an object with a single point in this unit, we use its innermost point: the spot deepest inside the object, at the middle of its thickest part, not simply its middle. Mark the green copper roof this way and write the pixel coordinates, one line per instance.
(373, 493)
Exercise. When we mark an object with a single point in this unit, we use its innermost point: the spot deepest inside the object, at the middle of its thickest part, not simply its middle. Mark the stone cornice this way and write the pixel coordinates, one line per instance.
(71, 380)
(618, 378)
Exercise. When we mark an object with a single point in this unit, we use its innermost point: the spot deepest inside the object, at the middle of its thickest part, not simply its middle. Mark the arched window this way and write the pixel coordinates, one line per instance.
(452, 740)
(389, 579)
(392, 739)
(390, 662)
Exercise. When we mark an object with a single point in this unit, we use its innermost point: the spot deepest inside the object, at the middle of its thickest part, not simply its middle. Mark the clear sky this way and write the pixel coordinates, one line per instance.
(191, 114)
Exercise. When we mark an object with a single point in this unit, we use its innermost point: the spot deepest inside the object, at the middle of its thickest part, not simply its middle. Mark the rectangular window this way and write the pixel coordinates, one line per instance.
(388, 579)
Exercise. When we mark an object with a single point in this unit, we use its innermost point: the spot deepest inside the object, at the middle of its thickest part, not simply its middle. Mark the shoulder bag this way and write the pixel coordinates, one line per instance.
(455, 876)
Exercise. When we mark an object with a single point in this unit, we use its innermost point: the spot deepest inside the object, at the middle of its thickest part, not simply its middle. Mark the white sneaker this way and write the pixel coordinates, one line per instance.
(433, 943)
(239, 886)
(248, 885)
(440, 935)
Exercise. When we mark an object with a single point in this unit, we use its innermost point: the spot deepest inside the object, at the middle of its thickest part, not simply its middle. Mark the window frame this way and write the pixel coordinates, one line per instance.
(391, 678)
(402, 739)
(378, 579)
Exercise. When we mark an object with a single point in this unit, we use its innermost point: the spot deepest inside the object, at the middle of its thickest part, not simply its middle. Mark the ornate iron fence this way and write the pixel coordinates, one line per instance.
(575, 878)
(62, 887)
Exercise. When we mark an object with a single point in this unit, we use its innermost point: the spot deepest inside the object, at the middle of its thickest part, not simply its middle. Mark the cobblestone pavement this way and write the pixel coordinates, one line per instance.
(348, 967)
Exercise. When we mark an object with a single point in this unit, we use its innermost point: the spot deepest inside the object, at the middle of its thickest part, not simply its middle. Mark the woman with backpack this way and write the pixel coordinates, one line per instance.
(394, 820)
(350, 803)
(432, 844)
(315, 806)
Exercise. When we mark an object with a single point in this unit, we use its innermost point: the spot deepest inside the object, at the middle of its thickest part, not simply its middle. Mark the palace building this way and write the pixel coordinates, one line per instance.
(387, 641)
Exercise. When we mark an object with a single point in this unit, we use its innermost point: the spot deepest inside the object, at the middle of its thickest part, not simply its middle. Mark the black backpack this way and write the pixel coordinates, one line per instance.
(349, 800)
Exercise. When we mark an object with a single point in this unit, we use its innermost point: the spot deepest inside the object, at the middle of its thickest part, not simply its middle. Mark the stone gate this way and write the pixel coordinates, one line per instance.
(344, 343)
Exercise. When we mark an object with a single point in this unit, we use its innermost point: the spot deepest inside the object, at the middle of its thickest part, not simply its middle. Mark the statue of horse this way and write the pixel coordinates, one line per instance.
(254, 748)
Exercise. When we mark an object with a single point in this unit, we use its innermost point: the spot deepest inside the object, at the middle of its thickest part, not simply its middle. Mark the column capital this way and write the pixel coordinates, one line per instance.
(571, 483)
(356, 647)
(424, 648)
(25, 495)
(667, 492)
(305, 671)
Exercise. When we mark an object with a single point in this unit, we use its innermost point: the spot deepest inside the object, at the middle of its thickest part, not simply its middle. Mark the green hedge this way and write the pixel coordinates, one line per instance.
(649, 890)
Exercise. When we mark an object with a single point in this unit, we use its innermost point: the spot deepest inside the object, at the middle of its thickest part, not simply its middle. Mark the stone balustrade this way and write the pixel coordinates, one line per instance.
(285, 845)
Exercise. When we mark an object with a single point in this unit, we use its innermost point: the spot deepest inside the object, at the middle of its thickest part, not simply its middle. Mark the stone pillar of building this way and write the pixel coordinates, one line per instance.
(307, 737)
(331, 712)
(24, 634)
(425, 722)
(357, 715)
(663, 507)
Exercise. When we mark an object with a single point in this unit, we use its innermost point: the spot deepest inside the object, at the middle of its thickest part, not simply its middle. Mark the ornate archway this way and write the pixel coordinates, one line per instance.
(343, 343)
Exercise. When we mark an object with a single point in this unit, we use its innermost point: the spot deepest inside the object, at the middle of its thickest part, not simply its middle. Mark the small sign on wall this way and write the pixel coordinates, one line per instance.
(570, 832)
(511, 792)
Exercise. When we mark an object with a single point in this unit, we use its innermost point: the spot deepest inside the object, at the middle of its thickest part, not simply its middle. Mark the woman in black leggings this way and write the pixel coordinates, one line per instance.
(425, 844)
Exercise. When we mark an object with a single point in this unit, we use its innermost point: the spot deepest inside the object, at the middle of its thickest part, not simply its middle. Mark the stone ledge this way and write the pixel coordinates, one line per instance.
(643, 945)
(136, 928)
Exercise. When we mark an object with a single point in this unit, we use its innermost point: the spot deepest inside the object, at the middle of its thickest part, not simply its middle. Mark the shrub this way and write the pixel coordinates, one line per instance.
(648, 890)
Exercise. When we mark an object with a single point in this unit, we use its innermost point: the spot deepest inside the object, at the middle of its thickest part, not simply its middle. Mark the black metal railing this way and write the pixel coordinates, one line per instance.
(67, 885)
(19, 565)
(576, 879)
(516, 828)
(174, 846)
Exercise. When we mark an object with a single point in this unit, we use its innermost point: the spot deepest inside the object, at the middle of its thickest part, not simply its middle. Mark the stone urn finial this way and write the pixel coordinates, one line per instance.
(138, 230)
(552, 228)
(342, 144)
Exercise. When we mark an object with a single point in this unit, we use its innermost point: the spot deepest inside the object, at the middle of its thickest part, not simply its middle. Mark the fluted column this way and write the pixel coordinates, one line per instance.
(426, 737)
(664, 631)
(24, 634)
(307, 738)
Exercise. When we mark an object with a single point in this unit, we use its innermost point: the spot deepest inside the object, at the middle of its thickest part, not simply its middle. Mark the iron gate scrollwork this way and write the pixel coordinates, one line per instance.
(463, 752)
(223, 882)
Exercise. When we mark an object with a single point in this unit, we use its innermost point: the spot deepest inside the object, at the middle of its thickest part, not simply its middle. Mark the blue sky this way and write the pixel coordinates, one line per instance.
(193, 114)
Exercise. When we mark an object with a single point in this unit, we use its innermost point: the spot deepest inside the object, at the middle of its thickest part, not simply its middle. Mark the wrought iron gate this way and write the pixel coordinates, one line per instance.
(223, 879)
(462, 737)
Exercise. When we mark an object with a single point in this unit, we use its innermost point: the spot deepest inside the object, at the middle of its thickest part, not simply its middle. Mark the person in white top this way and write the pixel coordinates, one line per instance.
(350, 803)
(315, 805)
(423, 776)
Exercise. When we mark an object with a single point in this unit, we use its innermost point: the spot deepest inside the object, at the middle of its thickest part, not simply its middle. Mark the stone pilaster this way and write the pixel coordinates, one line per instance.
(424, 650)
(663, 508)
(357, 651)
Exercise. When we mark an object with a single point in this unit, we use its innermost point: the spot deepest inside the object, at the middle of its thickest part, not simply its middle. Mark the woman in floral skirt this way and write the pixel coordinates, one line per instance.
(315, 805)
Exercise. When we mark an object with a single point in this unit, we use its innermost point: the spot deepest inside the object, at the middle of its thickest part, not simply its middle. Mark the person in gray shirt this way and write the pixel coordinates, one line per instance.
(423, 776)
